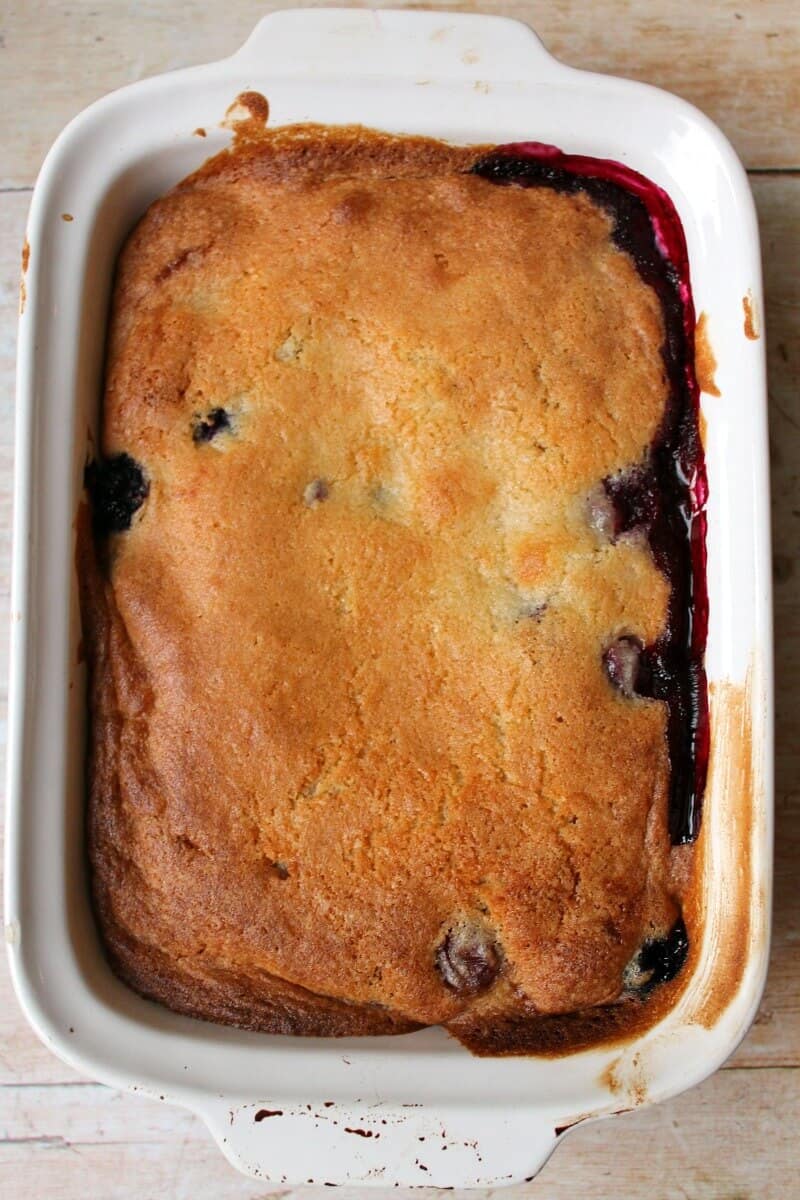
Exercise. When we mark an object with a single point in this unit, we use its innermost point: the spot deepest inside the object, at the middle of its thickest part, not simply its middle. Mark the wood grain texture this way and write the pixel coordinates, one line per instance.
(775, 1037)
(735, 1136)
(86, 1140)
(735, 59)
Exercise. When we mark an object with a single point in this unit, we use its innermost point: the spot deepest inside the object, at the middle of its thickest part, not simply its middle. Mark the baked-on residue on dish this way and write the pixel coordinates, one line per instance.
(394, 594)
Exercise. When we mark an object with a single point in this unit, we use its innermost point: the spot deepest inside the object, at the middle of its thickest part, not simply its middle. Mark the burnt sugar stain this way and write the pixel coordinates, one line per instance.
(705, 362)
(247, 117)
(750, 319)
(256, 104)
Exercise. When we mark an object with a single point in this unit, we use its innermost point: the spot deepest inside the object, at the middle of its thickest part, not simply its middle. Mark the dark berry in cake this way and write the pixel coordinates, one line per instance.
(206, 428)
(658, 960)
(635, 497)
(117, 488)
(467, 958)
(316, 491)
(622, 661)
(601, 512)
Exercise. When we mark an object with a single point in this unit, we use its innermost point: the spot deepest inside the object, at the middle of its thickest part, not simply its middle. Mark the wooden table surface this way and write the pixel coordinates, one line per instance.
(736, 1136)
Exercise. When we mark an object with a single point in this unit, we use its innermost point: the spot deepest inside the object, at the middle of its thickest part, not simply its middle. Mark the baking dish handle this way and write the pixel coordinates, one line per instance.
(405, 1146)
(363, 43)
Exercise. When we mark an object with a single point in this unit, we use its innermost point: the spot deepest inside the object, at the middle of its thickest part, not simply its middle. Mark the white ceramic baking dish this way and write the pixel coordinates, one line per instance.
(469, 79)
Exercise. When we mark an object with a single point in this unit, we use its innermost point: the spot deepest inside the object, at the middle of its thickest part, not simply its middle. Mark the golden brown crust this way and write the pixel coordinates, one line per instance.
(186, 985)
(348, 686)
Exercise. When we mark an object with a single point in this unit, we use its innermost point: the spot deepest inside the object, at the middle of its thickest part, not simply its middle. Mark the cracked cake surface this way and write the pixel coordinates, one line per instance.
(370, 742)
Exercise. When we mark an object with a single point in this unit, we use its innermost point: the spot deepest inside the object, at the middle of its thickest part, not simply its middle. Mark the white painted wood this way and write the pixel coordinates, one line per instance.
(735, 59)
(732, 1137)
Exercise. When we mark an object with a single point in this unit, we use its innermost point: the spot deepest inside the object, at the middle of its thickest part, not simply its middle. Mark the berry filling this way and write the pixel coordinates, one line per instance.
(665, 498)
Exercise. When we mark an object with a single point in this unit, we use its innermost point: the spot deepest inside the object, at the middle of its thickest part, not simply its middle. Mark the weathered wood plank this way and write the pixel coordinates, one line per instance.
(732, 1137)
(13, 210)
(778, 1025)
(738, 61)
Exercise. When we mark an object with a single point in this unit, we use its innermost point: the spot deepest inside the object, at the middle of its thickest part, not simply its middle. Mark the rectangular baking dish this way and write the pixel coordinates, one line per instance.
(377, 1110)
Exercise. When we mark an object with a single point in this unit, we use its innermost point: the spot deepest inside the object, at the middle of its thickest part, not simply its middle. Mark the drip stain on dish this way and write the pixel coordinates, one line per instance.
(733, 780)
(750, 318)
(23, 292)
(247, 117)
(705, 363)
(625, 1076)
